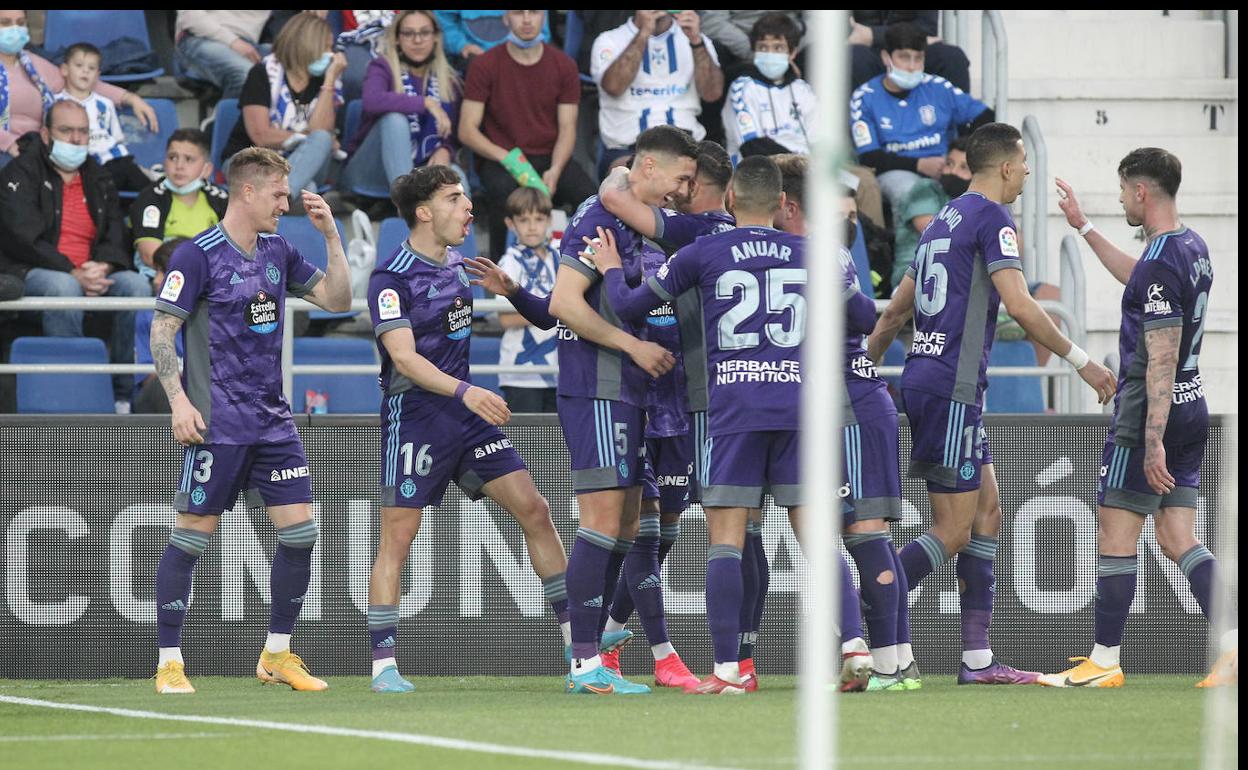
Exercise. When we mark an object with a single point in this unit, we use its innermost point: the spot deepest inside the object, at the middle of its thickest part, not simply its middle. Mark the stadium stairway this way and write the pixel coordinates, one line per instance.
(1103, 82)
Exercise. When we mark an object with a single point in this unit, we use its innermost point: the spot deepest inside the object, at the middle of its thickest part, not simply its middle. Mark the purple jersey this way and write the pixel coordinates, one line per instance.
(588, 370)
(674, 230)
(667, 408)
(955, 301)
(751, 281)
(1169, 286)
(434, 300)
(865, 397)
(233, 304)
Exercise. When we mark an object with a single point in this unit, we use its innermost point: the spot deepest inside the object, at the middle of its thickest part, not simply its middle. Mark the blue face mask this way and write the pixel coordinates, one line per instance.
(906, 80)
(318, 67)
(772, 65)
(13, 39)
(186, 189)
(68, 156)
(518, 43)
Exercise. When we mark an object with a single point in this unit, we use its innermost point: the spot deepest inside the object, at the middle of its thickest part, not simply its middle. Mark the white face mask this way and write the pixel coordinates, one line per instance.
(771, 65)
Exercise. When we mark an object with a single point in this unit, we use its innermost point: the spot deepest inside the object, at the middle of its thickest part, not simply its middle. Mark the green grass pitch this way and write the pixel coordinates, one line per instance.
(1153, 722)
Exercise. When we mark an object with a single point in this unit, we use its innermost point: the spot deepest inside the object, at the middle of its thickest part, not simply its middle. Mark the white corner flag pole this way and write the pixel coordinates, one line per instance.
(821, 393)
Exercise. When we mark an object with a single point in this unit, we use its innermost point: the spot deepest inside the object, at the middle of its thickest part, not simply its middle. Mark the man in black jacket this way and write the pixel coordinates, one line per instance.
(61, 230)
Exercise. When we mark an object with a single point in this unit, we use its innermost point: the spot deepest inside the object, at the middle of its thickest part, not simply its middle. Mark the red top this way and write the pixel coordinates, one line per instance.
(77, 227)
(521, 101)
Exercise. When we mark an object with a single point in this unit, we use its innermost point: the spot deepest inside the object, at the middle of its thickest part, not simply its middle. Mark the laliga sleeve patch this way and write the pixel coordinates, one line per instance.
(1008, 241)
(173, 286)
(861, 132)
(388, 305)
(151, 216)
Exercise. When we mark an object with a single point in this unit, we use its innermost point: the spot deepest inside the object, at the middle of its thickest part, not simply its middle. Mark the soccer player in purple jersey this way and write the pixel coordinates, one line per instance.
(603, 364)
(228, 286)
(754, 393)
(436, 426)
(672, 458)
(1161, 421)
(967, 263)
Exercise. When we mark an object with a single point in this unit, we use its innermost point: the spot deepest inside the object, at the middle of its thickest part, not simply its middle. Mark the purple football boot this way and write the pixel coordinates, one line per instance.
(996, 673)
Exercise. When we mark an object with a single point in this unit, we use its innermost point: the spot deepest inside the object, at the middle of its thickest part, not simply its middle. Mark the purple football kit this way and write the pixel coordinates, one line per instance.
(955, 317)
(233, 304)
(1169, 287)
(429, 440)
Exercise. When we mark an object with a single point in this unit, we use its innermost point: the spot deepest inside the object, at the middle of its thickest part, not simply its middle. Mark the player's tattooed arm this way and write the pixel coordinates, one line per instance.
(165, 352)
(1163, 361)
(900, 310)
(623, 71)
(617, 197)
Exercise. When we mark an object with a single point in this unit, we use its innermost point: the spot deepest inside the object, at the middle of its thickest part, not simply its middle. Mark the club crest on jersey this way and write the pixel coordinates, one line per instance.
(458, 323)
(408, 489)
(173, 286)
(199, 496)
(623, 469)
(1008, 241)
(261, 313)
(388, 305)
(927, 114)
(272, 274)
(463, 276)
(968, 471)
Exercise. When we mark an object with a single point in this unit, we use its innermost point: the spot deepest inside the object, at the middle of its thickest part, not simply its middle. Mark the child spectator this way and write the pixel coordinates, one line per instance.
(149, 396)
(769, 107)
(183, 203)
(81, 71)
(531, 262)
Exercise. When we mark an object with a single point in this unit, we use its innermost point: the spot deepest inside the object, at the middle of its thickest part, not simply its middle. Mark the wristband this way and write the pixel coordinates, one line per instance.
(1087, 228)
(699, 44)
(1077, 357)
(461, 389)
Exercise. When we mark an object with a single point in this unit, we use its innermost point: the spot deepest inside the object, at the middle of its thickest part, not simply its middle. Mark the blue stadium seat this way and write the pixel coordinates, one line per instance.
(863, 263)
(62, 393)
(484, 350)
(895, 355)
(225, 117)
(304, 236)
(573, 38)
(148, 147)
(393, 232)
(99, 28)
(1014, 394)
(348, 393)
(355, 109)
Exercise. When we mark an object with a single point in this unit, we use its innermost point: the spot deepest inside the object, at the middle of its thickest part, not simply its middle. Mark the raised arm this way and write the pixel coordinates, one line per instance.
(1118, 262)
(534, 309)
(617, 197)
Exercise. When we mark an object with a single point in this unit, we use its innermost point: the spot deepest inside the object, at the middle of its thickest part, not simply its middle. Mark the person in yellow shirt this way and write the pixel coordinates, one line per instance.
(183, 203)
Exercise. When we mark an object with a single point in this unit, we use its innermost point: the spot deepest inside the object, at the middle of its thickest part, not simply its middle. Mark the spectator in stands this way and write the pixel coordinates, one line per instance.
(731, 33)
(81, 72)
(531, 263)
(62, 231)
(769, 107)
(867, 31)
(361, 41)
(149, 395)
(468, 34)
(289, 103)
(183, 203)
(220, 46)
(655, 68)
(30, 81)
(902, 122)
(411, 104)
(521, 101)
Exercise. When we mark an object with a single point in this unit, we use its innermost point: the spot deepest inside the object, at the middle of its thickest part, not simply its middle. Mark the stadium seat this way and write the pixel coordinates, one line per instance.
(99, 28)
(355, 109)
(304, 236)
(225, 117)
(62, 393)
(863, 263)
(573, 38)
(1014, 394)
(484, 350)
(148, 147)
(393, 232)
(346, 393)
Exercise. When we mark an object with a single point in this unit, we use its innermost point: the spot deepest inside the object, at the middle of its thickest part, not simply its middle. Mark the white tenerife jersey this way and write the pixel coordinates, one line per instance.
(107, 138)
(755, 109)
(662, 93)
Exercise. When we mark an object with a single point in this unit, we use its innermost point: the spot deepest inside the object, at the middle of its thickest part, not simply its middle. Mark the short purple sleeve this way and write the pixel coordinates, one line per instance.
(301, 275)
(678, 274)
(185, 282)
(389, 302)
(1163, 295)
(998, 240)
(676, 230)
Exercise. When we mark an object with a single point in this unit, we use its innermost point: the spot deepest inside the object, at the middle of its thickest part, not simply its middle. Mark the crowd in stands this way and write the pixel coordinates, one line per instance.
(495, 95)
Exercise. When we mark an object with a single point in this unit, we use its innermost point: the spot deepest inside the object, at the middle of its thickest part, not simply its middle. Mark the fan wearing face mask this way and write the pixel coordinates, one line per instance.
(770, 107)
(183, 203)
(902, 122)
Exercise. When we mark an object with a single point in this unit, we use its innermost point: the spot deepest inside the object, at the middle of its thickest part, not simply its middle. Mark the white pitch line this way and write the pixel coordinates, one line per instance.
(451, 744)
(112, 737)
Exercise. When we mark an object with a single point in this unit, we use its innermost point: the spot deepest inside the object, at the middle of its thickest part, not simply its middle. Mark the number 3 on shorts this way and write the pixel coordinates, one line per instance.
(204, 471)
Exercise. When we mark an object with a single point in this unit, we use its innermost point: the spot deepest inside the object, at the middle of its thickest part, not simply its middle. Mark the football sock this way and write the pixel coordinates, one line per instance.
(851, 610)
(276, 643)
(723, 600)
(976, 582)
(383, 630)
(173, 583)
(667, 538)
(661, 651)
(555, 589)
(1200, 568)
(749, 596)
(291, 573)
(615, 566)
(1115, 589)
(922, 556)
(587, 570)
(167, 654)
(905, 656)
(754, 531)
(873, 554)
(641, 577)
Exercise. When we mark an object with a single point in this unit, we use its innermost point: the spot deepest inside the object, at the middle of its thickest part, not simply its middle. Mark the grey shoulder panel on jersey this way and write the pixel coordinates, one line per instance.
(198, 363)
(689, 315)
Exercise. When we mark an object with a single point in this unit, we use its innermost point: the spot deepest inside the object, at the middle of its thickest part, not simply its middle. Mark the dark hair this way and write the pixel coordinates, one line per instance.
(793, 176)
(47, 114)
(714, 164)
(86, 48)
(757, 184)
(191, 136)
(669, 140)
(528, 200)
(1155, 164)
(960, 144)
(160, 258)
(777, 25)
(990, 145)
(905, 35)
(418, 187)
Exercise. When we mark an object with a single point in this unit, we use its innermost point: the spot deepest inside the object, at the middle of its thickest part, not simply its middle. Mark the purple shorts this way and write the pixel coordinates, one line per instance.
(668, 472)
(697, 424)
(214, 474)
(741, 467)
(1123, 484)
(605, 443)
(871, 474)
(950, 446)
(429, 441)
